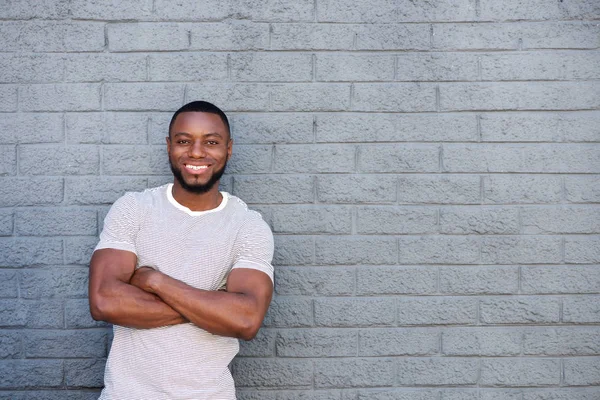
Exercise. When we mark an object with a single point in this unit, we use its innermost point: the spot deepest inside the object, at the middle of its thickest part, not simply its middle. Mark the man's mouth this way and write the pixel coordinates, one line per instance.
(196, 168)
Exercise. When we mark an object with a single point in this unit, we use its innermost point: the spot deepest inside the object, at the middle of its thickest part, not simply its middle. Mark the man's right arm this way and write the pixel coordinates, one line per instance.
(114, 300)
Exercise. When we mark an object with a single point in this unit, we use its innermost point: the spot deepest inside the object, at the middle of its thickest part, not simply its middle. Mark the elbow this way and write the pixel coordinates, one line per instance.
(249, 330)
(99, 309)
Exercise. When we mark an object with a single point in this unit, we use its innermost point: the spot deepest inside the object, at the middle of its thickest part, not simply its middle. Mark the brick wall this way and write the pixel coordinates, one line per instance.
(430, 169)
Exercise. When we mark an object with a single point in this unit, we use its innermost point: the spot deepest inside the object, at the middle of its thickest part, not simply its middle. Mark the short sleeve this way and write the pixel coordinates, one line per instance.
(121, 225)
(255, 242)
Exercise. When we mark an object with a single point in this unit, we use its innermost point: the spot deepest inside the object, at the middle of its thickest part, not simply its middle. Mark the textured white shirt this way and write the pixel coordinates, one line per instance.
(199, 248)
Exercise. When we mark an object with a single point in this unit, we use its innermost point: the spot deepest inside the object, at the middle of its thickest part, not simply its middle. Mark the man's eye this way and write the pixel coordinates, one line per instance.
(212, 142)
(183, 141)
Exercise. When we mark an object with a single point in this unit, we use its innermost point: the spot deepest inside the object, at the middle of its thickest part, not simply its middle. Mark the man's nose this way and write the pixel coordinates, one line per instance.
(197, 150)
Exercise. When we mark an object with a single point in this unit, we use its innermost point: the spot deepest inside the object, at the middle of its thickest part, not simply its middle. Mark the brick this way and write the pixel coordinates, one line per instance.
(396, 97)
(158, 127)
(398, 342)
(57, 394)
(23, 191)
(20, 252)
(147, 36)
(59, 160)
(54, 344)
(85, 127)
(84, 373)
(272, 372)
(436, 189)
(520, 372)
(274, 189)
(250, 159)
(438, 250)
(540, 66)
(581, 309)
(556, 158)
(582, 189)
(232, 96)
(271, 67)
(31, 128)
(263, 345)
(316, 343)
(356, 250)
(398, 158)
(318, 281)
(577, 126)
(356, 189)
(278, 10)
(437, 67)
(560, 279)
(34, 68)
(379, 11)
(192, 11)
(354, 373)
(53, 283)
(61, 97)
(516, 35)
(355, 67)
(310, 97)
(479, 280)
(125, 128)
(10, 344)
(521, 189)
(519, 310)
(391, 394)
(396, 220)
(110, 10)
(396, 280)
(556, 341)
(231, 35)
(100, 190)
(519, 96)
(582, 371)
(458, 10)
(479, 220)
(105, 67)
(293, 250)
(396, 128)
(78, 250)
(288, 394)
(30, 373)
(289, 312)
(296, 36)
(6, 222)
(437, 310)
(312, 219)
(55, 222)
(560, 220)
(271, 128)
(562, 394)
(340, 312)
(538, 10)
(8, 98)
(491, 342)
(8, 160)
(314, 158)
(9, 284)
(143, 96)
(51, 36)
(582, 250)
(437, 371)
(28, 9)
(31, 314)
(135, 160)
(393, 37)
(528, 250)
(77, 315)
(187, 67)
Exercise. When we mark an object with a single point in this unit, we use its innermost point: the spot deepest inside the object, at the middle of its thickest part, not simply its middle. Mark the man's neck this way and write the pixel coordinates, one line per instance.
(197, 201)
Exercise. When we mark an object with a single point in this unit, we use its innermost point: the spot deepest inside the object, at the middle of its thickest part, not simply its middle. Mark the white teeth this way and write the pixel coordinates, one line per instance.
(197, 167)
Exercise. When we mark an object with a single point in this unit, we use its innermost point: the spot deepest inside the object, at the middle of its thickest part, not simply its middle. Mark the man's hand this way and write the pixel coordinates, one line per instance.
(143, 278)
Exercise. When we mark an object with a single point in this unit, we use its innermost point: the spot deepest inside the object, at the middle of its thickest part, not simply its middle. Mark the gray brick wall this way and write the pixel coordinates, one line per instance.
(430, 169)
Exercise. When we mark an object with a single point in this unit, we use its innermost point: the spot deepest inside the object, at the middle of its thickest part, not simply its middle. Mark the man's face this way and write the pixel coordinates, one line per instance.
(199, 147)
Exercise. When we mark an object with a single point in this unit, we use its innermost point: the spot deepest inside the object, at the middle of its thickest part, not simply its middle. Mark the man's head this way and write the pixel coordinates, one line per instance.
(199, 146)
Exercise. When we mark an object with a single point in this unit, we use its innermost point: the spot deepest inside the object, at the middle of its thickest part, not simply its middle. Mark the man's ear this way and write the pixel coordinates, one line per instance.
(168, 139)
(229, 148)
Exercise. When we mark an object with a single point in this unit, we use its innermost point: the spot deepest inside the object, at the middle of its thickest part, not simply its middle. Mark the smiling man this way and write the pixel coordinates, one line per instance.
(181, 271)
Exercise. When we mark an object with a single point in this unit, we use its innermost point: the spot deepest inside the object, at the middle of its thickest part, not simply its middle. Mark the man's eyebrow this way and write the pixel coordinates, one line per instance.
(217, 134)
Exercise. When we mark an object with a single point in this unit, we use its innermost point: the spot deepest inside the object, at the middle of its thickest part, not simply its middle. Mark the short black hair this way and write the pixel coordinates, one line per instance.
(201, 106)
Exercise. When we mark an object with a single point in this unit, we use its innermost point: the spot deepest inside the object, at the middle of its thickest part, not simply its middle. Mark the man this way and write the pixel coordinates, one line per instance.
(182, 271)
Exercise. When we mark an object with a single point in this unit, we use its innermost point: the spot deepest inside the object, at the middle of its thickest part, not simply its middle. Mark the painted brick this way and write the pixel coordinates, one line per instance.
(438, 250)
(288, 394)
(8, 160)
(356, 189)
(105, 67)
(359, 67)
(358, 372)
(100, 190)
(34, 68)
(28, 9)
(492, 342)
(310, 97)
(85, 127)
(78, 343)
(316, 343)
(274, 189)
(263, 344)
(582, 371)
(9, 283)
(437, 310)
(53, 283)
(55, 222)
(397, 97)
(396, 280)
(479, 280)
(271, 128)
(320, 281)
(583, 250)
(314, 158)
(272, 372)
(339, 312)
(289, 312)
(8, 98)
(249, 159)
(143, 96)
(396, 220)
(379, 11)
(158, 127)
(393, 37)
(519, 372)
(53, 394)
(552, 220)
(479, 220)
(60, 97)
(31, 314)
(10, 344)
(458, 10)
(437, 67)
(58, 160)
(398, 342)
(519, 310)
(398, 158)
(148, 36)
(77, 315)
(562, 394)
(293, 250)
(436, 189)
(30, 373)
(582, 189)
(51, 36)
(26, 191)
(581, 309)
(519, 96)
(31, 128)
(109, 10)
(231, 96)
(6, 222)
(555, 341)
(312, 219)
(191, 10)
(78, 249)
(271, 67)
(84, 373)
(437, 371)
(135, 160)
(521, 189)
(20, 252)
(187, 67)
(233, 35)
(275, 10)
(312, 36)
(577, 126)
(560, 279)
(391, 394)
(356, 250)
(539, 9)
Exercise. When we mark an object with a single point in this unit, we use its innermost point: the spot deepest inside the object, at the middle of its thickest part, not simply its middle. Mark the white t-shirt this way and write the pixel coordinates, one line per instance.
(199, 248)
